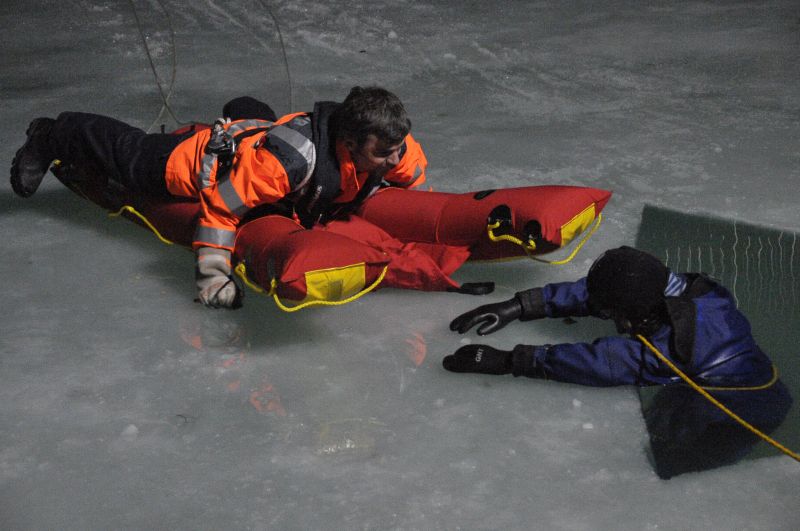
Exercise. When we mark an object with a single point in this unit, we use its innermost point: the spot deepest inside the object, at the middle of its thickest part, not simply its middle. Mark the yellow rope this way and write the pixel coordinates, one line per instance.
(57, 163)
(577, 247)
(324, 303)
(531, 245)
(128, 208)
(754, 388)
(242, 273)
(717, 403)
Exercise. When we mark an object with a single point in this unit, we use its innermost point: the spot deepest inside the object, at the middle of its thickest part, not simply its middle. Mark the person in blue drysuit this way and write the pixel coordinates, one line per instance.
(691, 319)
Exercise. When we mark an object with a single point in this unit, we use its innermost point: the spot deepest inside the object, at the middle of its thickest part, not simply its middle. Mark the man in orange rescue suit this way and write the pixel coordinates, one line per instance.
(312, 165)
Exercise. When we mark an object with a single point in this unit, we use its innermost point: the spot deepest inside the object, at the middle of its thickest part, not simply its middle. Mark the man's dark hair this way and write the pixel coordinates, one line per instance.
(370, 111)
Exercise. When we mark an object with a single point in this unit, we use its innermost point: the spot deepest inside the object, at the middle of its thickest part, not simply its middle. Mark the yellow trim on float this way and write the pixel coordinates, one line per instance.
(577, 224)
(350, 285)
(580, 244)
(335, 283)
(569, 230)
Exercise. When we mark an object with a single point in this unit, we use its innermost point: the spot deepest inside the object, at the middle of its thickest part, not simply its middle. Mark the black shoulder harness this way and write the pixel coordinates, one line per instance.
(325, 182)
(682, 314)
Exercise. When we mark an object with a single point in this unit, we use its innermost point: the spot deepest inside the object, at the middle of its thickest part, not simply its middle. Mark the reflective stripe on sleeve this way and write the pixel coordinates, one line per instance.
(204, 177)
(294, 151)
(238, 127)
(231, 197)
(214, 236)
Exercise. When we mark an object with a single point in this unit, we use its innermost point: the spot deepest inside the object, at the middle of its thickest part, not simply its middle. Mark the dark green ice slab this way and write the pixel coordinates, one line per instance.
(761, 266)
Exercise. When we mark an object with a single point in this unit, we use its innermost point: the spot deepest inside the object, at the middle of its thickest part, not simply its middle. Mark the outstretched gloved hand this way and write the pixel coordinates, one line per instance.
(479, 358)
(490, 317)
(215, 285)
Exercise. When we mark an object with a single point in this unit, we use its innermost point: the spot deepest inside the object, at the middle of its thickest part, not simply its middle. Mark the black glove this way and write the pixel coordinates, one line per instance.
(491, 317)
(479, 358)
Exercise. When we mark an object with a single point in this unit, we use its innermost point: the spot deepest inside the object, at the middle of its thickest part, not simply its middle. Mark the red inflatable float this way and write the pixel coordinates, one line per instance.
(398, 238)
(494, 223)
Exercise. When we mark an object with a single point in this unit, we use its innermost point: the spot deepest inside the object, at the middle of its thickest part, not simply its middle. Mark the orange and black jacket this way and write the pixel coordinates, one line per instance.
(291, 161)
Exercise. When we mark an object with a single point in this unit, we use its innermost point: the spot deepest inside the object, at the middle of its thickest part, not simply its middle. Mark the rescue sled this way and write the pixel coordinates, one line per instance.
(398, 238)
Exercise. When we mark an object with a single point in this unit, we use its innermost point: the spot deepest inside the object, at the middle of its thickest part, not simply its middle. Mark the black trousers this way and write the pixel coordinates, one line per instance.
(126, 154)
(114, 149)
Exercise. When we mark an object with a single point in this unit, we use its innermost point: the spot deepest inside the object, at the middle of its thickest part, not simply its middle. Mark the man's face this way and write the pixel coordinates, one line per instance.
(374, 156)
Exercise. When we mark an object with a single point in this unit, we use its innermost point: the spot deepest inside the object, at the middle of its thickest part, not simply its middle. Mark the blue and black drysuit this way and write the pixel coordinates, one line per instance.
(708, 338)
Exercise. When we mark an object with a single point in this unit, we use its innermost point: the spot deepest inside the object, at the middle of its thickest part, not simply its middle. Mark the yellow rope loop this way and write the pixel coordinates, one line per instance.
(577, 247)
(717, 403)
(529, 247)
(767, 385)
(128, 208)
(300, 306)
(241, 272)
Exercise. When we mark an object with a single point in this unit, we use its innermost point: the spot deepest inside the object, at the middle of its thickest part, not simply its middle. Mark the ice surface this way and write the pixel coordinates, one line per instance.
(126, 405)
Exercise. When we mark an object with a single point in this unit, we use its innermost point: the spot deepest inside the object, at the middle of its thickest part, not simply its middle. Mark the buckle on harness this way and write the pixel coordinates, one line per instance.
(221, 143)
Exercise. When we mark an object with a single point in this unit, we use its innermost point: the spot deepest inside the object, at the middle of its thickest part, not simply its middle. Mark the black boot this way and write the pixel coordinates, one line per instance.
(32, 159)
